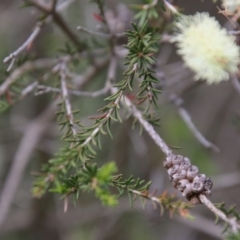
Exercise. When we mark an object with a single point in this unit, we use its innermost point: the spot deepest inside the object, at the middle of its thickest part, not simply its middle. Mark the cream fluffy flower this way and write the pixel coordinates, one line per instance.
(206, 48)
(231, 5)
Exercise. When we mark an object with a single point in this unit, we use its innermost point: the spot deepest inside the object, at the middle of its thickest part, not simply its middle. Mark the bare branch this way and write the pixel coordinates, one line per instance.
(110, 77)
(178, 102)
(26, 67)
(104, 35)
(64, 5)
(29, 89)
(42, 89)
(29, 141)
(147, 126)
(202, 224)
(67, 31)
(170, 7)
(66, 97)
(232, 32)
(34, 34)
(46, 89)
(25, 45)
(167, 38)
(159, 141)
(54, 4)
(231, 221)
(148, 6)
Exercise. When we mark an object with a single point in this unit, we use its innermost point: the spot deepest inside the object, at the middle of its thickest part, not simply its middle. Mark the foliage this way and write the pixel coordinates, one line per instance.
(70, 171)
(74, 169)
(4, 105)
(230, 212)
(232, 236)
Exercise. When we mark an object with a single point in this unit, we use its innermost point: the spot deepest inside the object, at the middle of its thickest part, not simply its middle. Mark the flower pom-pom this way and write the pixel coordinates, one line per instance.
(206, 48)
(231, 6)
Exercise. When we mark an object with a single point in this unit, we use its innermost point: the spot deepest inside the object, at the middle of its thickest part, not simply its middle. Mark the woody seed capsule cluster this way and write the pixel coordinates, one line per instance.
(186, 178)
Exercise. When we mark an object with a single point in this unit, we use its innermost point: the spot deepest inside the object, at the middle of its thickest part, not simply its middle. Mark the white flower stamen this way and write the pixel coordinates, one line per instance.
(206, 48)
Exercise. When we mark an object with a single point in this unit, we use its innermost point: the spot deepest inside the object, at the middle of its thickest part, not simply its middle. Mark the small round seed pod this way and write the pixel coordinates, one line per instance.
(185, 165)
(200, 177)
(173, 170)
(183, 172)
(168, 162)
(188, 192)
(176, 177)
(181, 185)
(208, 184)
(177, 160)
(192, 173)
(187, 161)
(197, 186)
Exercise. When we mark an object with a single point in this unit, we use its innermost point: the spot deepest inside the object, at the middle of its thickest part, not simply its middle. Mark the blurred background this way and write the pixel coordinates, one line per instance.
(214, 110)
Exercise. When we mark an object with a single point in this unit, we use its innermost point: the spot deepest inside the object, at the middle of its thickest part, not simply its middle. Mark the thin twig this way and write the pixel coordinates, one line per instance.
(34, 34)
(110, 77)
(54, 4)
(170, 7)
(29, 89)
(100, 34)
(29, 141)
(147, 126)
(234, 32)
(26, 67)
(231, 221)
(68, 32)
(66, 97)
(152, 198)
(46, 89)
(25, 45)
(167, 38)
(62, 6)
(56, 17)
(159, 141)
(202, 224)
(148, 6)
(178, 102)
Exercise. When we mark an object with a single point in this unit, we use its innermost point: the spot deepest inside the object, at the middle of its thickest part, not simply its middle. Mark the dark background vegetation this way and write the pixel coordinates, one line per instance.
(213, 109)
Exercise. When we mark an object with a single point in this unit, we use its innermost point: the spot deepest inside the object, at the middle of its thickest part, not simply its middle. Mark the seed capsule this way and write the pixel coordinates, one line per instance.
(197, 186)
(192, 172)
(186, 179)
(185, 165)
(181, 185)
(176, 177)
(177, 160)
(168, 162)
(200, 177)
(173, 170)
(208, 184)
(186, 160)
(188, 192)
